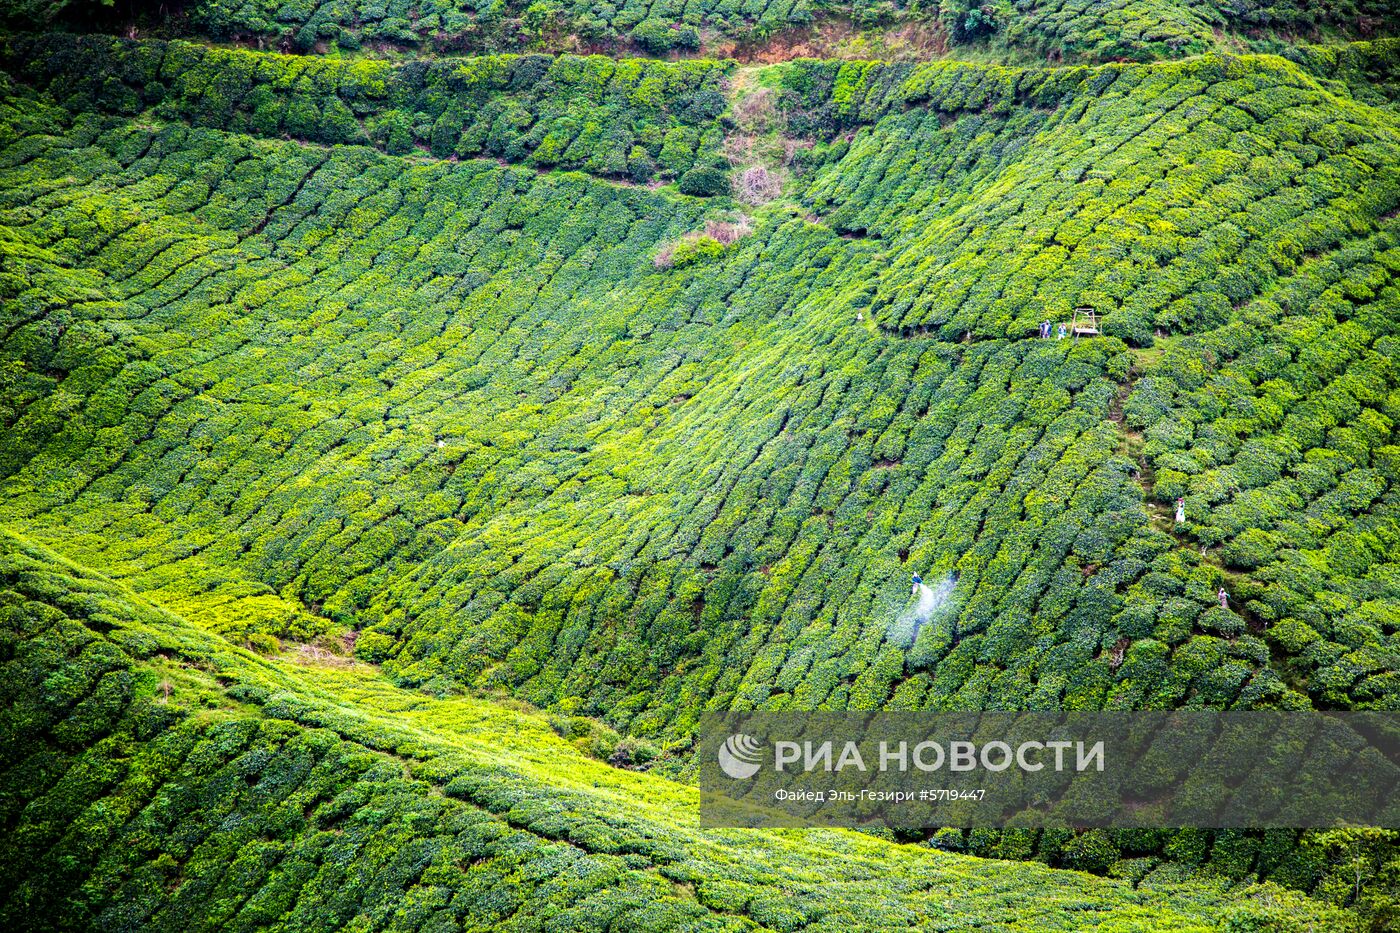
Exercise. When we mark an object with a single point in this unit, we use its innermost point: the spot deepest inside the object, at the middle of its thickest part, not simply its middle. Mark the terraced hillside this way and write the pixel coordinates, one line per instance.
(467, 413)
(632, 388)
(156, 778)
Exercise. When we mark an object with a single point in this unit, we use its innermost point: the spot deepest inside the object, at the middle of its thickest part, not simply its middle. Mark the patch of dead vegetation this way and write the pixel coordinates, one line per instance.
(915, 40)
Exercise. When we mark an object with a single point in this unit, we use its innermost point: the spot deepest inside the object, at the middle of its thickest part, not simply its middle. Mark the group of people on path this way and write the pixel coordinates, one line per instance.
(1046, 327)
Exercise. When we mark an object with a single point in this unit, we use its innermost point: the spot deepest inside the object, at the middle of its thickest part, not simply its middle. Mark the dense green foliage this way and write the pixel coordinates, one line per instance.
(647, 27)
(155, 778)
(1142, 30)
(629, 119)
(653, 575)
(1138, 30)
(655, 27)
(1072, 30)
(325, 351)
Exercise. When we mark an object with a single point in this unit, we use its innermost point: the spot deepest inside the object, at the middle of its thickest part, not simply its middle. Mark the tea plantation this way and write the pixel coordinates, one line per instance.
(1072, 30)
(158, 778)
(402, 450)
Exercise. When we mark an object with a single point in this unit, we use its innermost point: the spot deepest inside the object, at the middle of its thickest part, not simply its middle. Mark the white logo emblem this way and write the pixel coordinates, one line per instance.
(739, 756)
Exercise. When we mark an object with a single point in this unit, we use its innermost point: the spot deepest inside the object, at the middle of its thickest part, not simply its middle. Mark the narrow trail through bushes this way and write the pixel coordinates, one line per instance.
(1162, 515)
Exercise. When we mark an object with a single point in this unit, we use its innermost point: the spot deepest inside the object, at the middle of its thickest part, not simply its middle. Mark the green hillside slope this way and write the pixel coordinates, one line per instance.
(502, 440)
(156, 778)
(632, 388)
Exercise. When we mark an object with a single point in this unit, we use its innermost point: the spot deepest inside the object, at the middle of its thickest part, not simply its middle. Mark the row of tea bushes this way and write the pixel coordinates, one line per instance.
(631, 119)
(1164, 196)
(1146, 30)
(1052, 30)
(653, 27)
(1279, 429)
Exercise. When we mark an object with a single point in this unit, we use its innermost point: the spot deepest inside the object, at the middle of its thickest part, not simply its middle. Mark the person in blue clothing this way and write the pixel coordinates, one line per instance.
(918, 582)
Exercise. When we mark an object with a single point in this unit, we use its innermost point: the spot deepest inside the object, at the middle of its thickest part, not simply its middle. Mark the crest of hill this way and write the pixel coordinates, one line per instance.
(1053, 30)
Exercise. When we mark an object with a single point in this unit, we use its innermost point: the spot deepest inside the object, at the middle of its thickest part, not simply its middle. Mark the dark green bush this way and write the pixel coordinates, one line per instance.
(704, 181)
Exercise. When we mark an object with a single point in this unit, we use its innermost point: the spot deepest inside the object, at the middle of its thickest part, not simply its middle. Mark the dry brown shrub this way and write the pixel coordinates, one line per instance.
(726, 232)
(754, 113)
(723, 232)
(756, 185)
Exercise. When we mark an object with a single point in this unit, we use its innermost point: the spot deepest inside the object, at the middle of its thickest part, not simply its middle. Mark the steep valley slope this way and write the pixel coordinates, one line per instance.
(472, 369)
